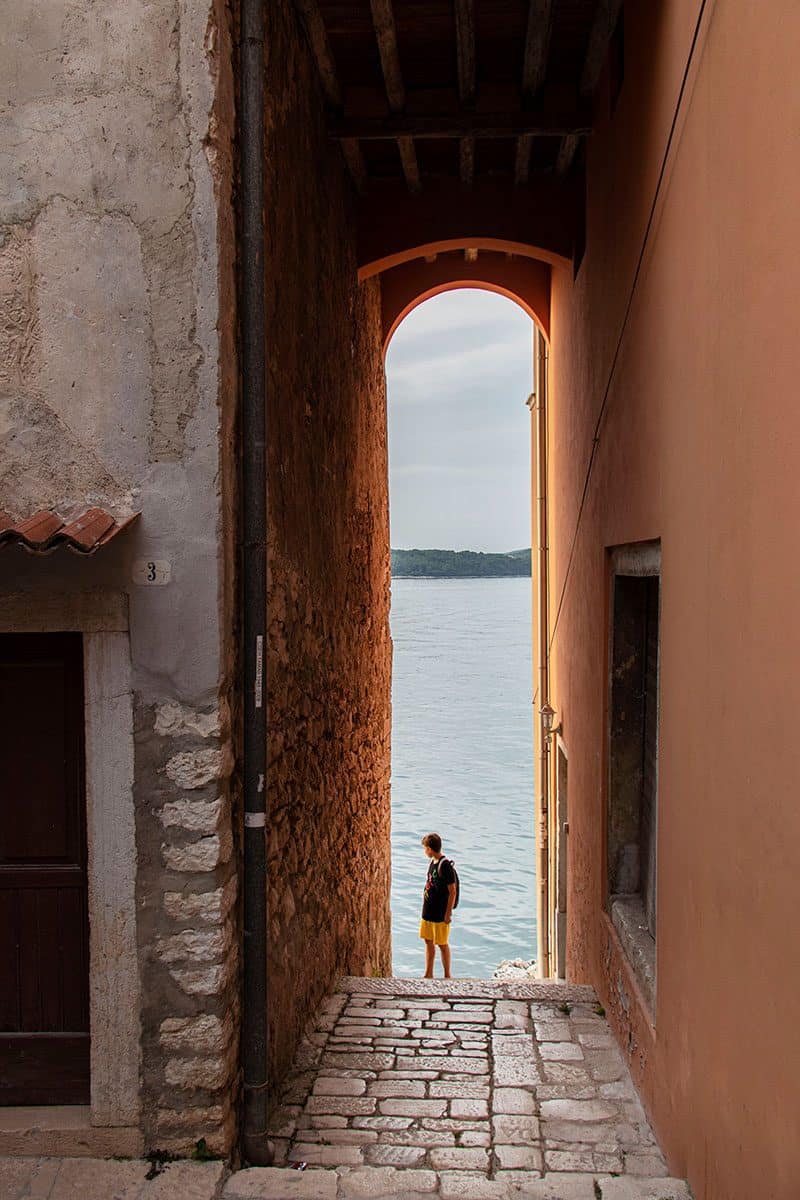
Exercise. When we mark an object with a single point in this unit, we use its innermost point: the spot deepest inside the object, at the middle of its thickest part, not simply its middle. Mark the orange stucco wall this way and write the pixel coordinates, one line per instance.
(700, 447)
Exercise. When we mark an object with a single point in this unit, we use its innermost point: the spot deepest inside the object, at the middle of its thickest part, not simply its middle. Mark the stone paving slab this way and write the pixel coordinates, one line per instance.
(108, 1179)
(477, 1089)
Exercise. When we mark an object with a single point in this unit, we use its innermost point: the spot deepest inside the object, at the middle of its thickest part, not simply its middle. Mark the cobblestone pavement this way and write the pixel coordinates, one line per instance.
(464, 1089)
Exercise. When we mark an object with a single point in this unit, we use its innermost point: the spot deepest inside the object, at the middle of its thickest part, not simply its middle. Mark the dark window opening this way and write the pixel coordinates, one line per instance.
(633, 756)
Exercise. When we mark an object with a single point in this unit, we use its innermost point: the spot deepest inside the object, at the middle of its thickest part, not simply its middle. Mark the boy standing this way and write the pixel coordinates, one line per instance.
(437, 905)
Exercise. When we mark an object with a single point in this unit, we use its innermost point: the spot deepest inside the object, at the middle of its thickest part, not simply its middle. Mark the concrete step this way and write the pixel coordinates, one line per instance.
(390, 1183)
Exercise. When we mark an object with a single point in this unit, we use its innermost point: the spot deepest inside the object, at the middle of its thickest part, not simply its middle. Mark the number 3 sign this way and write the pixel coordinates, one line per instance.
(152, 572)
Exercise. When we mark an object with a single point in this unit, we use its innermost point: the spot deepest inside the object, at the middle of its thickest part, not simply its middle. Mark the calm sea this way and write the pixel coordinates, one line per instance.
(462, 764)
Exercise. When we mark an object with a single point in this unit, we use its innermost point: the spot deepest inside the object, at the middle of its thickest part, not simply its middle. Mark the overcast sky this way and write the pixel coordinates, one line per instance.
(459, 369)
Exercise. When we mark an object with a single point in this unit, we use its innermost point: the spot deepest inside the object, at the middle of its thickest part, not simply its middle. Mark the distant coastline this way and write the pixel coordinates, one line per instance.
(460, 564)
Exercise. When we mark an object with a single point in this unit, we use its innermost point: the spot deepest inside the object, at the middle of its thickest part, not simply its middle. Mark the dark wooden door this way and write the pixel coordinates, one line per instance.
(44, 925)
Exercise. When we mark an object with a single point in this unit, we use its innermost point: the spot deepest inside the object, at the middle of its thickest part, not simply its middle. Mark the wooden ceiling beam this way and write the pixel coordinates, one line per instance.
(534, 71)
(605, 20)
(466, 160)
(386, 35)
(462, 124)
(465, 49)
(311, 19)
(522, 164)
(537, 46)
(465, 60)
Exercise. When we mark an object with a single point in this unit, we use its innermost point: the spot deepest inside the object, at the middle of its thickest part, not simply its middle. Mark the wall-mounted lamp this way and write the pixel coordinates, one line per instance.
(549, 728)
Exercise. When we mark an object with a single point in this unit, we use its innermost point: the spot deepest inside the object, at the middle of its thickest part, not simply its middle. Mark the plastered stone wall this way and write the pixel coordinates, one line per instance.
(118, 388)
(329, 653)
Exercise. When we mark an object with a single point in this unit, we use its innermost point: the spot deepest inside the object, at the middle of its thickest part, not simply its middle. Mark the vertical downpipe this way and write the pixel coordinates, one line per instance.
(255, 1147)
(543, 659)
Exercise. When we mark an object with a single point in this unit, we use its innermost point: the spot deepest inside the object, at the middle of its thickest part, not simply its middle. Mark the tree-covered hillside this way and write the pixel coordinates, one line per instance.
(459, 564)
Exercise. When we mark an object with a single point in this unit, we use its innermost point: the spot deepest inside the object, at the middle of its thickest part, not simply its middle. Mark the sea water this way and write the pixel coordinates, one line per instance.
(462, 765)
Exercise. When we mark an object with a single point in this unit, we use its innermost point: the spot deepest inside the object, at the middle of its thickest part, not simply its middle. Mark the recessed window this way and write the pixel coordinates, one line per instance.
(633, 754)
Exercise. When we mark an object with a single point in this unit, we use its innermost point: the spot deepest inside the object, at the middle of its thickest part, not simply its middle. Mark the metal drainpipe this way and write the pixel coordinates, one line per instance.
(543, 856)
(255, 1147)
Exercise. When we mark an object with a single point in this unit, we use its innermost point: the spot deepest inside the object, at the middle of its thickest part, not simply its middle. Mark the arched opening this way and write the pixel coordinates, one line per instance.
(459, 366)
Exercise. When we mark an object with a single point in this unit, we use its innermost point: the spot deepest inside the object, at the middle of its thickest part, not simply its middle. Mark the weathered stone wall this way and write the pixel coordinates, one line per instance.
(329, 648)
(118, 388)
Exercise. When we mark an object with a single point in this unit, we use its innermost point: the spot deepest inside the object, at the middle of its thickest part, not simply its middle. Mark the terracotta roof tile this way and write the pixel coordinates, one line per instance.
(45, 531)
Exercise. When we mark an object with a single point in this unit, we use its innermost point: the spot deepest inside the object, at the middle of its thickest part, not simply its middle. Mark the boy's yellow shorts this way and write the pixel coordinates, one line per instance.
(435, 931)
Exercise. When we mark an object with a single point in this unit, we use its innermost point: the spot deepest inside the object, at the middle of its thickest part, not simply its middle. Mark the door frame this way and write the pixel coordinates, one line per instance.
(114, 992)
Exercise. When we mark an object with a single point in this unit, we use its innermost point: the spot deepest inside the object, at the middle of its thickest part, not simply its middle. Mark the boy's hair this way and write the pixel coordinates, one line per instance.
(433, 842)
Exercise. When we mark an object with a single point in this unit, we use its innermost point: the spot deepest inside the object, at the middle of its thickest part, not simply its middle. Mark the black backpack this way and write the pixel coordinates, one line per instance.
(458, 881)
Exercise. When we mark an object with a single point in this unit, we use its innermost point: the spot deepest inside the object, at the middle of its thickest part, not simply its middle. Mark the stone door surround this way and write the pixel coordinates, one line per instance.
(114, 999)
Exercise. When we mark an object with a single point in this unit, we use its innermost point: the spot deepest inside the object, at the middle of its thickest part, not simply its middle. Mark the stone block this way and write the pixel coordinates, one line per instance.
(187, 1180)
(195, 946)
(578, 1131)
(333, 1086)
(570, 1073)
(469, 1108)
(645, 1189)
(208, 981)
(394, 1156)
(204, 855)
(513, 1101)
(173, 720)
(369, 1183)
(514, 1072)
(27, 1177)
(209, 907)
(569, 1160)
(458, 1158)
(417, 1137)
(276, 1183)
(451, 1089)
(343, 1106)
(196, 816)
(413, 1108)
(195, 768)
(208, 1074)
(518, 1158)
(474, 1137)
(97, 1179)
(471, 1017)
(457, 1064)
(560, 1051)
(339, 1137)
(577, 1110)
(515, 1046)
(204, 1034)
(370, 1061)
(381, 1123)
(515, 1129)
(553, 1031)
(398, 1088)
(471, 1185)
(645, 1164)
(318, 1155)
(553, 1186)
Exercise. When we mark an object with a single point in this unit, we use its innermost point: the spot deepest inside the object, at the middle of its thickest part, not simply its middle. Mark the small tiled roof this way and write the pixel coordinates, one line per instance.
(45, 531)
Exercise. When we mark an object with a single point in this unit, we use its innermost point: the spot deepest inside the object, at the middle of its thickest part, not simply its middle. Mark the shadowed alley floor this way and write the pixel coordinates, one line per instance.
(464, 1088)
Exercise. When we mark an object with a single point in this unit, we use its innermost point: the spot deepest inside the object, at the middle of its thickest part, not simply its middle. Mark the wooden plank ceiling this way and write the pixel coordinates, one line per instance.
(465, 89)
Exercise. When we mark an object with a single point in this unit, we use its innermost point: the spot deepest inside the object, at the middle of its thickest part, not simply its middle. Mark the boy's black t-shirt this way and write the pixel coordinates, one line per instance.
(434, 900)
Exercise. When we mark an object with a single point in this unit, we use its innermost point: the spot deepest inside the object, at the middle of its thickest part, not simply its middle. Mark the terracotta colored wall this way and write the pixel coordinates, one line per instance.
(699, 447)
(329, 648)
